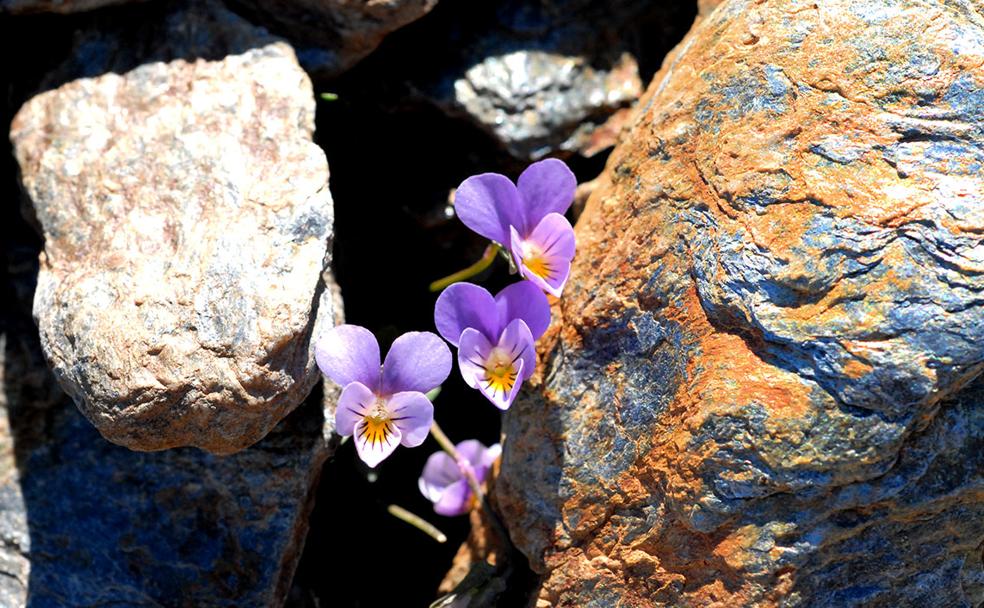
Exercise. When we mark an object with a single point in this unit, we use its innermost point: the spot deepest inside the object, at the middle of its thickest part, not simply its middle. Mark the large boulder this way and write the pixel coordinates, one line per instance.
(187, 222)
(84, 522)
(760, 389)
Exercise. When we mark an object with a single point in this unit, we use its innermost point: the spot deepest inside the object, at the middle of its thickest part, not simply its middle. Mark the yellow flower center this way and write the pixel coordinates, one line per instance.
(500, 371)
(535, 261)
(376, 431)
(378, 427)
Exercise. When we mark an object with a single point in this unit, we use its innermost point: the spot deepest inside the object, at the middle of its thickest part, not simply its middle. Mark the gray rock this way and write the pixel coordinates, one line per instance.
(548, 77)
(540, 102)
(763, 386)
(335, 34)
(187, 222)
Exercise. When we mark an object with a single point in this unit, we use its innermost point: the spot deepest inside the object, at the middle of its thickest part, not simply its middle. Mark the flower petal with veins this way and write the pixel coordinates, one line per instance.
(354, 404)
(544, 257)
(497, 371)
(413, 414)
(375, 439)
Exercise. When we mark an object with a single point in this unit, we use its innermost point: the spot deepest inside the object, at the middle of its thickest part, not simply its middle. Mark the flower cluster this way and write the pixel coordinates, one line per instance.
(384, 405)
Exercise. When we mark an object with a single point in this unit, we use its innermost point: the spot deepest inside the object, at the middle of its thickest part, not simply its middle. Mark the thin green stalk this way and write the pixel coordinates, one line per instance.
(487, 258)
(417, 522)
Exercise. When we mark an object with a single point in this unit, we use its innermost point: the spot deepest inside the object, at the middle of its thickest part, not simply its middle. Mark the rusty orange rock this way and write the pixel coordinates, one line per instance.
(760, 389)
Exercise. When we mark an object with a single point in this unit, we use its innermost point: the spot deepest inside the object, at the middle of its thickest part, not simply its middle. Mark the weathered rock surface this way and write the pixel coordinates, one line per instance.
(704, 7)
(761, 387)
(339, 32)
(538, 102)
(187, 221)
(86, 523)
(547, 77)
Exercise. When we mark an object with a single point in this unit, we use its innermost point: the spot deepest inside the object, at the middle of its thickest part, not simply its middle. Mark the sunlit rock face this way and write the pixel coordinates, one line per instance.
(187, 225)
(84, 522)
(760, 388)
(704, 7)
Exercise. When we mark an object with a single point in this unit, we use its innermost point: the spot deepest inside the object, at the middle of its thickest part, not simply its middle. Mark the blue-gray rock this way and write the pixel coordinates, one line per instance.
(763, 385)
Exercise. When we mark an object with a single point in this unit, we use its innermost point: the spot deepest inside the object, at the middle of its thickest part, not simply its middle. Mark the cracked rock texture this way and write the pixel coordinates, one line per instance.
(339, 32)
(86, 523)
(548, 77)
(762, 387)
(187, 222)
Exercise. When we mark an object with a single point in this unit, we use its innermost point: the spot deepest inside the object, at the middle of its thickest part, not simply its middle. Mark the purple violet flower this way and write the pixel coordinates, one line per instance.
(527, 217)
(383, 406)
(495, 336)
(443, 481)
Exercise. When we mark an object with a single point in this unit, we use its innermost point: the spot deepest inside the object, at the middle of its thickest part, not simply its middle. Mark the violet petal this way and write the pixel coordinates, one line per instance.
(455, 500)
(375, 440)
(546, 187)
(473, 351)
(349, 353)
(471, 450)
(555, 236)
(545, 256)
(502, 396)
(354, 403)
(417, 361)
(488, 204)
(518, 342)
(439, 472)
(412, 413)
(523, 300)
(465, 305)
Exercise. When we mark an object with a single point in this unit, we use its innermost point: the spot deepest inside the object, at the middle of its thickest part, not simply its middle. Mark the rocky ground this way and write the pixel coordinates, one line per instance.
(760, 388)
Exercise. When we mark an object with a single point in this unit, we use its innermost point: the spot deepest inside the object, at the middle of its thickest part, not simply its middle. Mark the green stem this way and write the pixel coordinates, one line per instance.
(469, 474)
(417, 522)
(487, 258)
